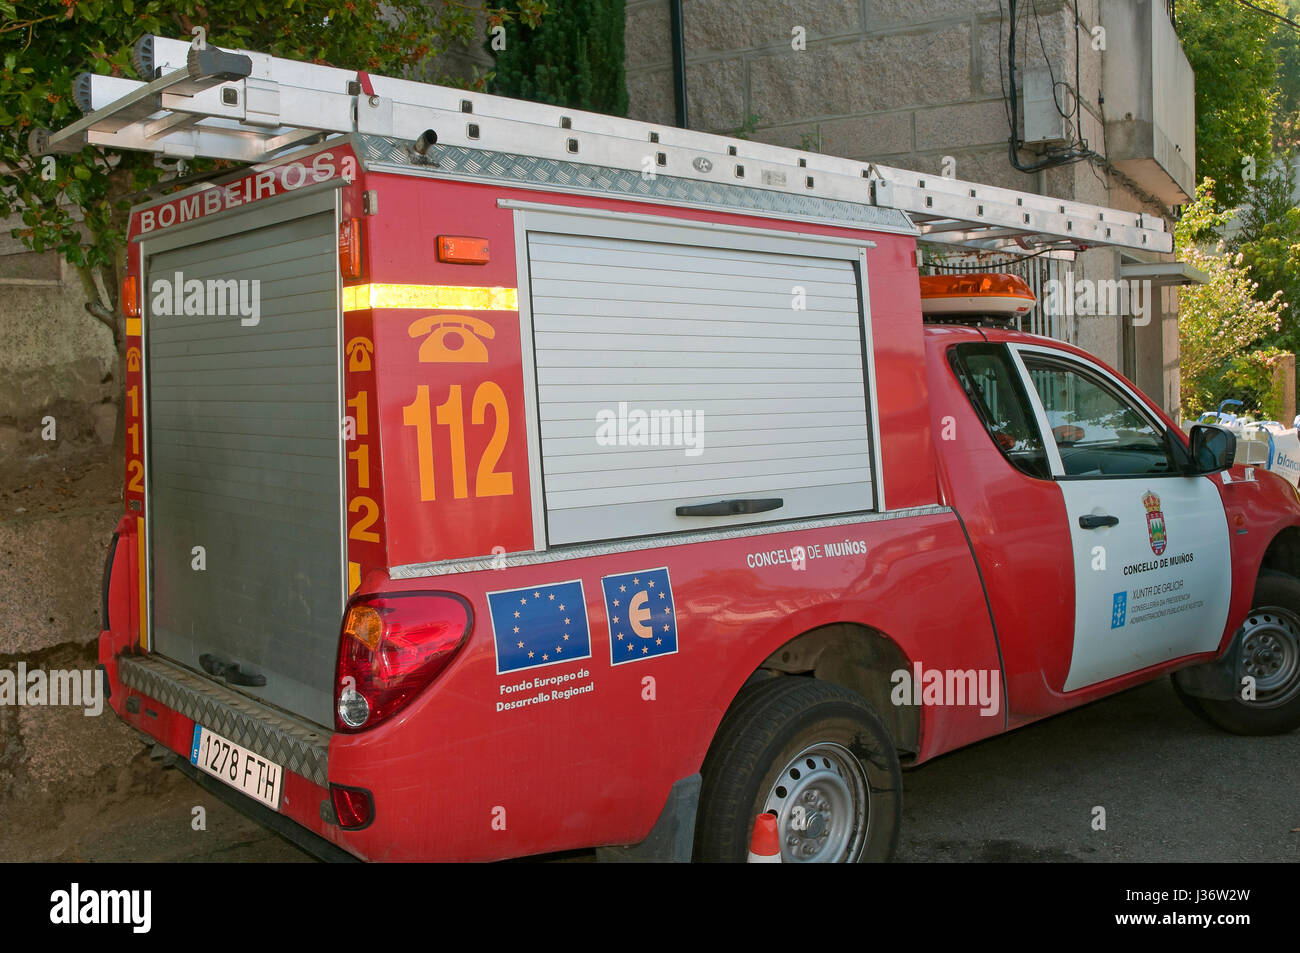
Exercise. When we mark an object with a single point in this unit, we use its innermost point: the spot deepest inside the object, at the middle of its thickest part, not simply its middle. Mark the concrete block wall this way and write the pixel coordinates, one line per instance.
(879, 79)
(906, 83)
(51, 348)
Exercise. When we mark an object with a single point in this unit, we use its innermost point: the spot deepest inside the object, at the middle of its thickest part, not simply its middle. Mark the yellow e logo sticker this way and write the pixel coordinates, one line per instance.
(638, 614)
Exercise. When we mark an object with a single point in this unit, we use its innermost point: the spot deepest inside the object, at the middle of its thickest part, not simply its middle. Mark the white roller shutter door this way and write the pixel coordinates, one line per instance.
(752, 359)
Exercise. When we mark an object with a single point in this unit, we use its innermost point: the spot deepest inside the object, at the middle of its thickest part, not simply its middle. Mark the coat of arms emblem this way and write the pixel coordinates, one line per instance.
(1155, 522)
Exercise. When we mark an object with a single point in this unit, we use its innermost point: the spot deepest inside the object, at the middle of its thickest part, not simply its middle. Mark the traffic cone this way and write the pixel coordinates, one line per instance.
(765, 845)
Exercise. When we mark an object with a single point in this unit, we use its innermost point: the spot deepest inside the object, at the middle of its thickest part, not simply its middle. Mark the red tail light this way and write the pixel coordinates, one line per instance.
(353, 806)
(391, 647)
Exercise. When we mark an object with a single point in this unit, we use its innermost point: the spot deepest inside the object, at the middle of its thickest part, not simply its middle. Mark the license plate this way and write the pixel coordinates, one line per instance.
(242, 769)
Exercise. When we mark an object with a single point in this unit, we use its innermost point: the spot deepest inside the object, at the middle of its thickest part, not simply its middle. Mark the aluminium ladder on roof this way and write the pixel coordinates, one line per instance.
(249, 107)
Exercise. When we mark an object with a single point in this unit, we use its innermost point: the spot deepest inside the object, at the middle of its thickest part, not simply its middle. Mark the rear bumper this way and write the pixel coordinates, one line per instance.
(165, 701)
(291, 743)
(286, 827)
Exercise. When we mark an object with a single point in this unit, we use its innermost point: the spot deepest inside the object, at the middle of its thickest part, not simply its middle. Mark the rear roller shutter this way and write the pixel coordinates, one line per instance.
(244, 461)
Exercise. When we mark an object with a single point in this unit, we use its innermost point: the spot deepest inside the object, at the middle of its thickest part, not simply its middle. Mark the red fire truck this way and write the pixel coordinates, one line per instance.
(504, 480)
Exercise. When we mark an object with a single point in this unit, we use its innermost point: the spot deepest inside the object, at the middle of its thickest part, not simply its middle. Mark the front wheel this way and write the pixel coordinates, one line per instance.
(818, 757)
(1270, 656)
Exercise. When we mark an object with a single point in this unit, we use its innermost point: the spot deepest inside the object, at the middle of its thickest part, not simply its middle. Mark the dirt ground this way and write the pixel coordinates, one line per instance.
(73, 787)
(84, 789)
(60, 481)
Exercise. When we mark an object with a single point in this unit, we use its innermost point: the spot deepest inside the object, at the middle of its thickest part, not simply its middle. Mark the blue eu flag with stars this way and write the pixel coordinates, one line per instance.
(539, 625)
(642, 617)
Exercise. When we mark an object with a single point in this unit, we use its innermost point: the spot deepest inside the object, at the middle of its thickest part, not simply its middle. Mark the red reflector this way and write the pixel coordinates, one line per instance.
(462, 250)
(131, 296)
(353, 807)
(350, 248)
(390, 648)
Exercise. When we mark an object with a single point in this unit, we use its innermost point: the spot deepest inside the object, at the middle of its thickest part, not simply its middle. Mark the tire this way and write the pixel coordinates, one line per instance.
(794, 742)
(1270, 652)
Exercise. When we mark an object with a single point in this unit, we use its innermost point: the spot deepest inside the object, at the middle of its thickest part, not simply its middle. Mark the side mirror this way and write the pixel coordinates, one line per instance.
(1213, 449)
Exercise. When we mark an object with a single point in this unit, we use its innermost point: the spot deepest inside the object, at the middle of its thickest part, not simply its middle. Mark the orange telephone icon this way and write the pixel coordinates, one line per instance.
(359, 351)
(133, 359)
(452, 338)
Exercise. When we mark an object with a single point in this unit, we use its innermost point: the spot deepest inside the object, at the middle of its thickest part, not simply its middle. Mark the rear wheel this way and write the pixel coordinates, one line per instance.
(818, 757)
(1270, 655)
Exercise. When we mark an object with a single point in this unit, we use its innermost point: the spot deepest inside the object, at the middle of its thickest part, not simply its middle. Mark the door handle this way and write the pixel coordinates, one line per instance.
(730, 507)
(1096, 522)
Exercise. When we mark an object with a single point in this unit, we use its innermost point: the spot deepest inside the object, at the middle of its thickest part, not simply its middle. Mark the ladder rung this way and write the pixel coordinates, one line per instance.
(195, 107)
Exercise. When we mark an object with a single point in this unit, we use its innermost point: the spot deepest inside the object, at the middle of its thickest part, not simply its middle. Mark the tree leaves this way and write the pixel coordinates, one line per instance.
(1223, 327)
(1230, 49)
(573, 58)
(82, 211)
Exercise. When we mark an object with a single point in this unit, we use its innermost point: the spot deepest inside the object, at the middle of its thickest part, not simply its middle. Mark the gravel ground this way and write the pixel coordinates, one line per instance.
(1173, 788)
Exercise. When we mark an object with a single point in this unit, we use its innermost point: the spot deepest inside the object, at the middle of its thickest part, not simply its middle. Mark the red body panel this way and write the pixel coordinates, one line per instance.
(456, 776)
(441, 767)
(434, 530)
(1011, 516)
(1020, 538)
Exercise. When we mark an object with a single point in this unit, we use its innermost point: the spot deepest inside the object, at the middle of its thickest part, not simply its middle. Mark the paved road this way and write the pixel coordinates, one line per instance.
(1173, 788)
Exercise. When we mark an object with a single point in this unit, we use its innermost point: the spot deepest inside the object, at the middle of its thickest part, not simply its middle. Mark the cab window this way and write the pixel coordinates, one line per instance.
(993, 386)
(1098, 431)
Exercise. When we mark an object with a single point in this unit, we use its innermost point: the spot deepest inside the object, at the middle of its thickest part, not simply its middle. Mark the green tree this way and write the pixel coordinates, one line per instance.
(573, 57)
(1223, 327)
(1269, 245)
(1230, 48)
(1286, 109)
(79, 206)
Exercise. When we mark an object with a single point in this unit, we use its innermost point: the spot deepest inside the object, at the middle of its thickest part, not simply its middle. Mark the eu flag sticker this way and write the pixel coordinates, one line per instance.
(539, 625)
(1119, 610)
(642, 617)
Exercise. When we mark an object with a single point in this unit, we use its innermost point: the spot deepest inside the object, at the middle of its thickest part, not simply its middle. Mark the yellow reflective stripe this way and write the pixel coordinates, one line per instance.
(133, 327)
(429, 297)
(354, 576)
(142, 561)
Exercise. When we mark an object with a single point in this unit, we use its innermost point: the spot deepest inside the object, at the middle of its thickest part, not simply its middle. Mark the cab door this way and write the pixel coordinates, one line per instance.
(1150, 545)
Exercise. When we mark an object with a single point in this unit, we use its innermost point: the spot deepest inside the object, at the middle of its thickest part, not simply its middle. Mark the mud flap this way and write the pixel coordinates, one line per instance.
(672, 838)
(1220, 680)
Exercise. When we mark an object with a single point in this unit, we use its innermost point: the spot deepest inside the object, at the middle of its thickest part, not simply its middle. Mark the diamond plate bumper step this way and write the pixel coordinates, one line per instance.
(298, 745)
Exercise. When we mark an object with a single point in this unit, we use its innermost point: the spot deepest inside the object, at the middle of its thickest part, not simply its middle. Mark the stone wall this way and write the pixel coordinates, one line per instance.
(51, 349)
(905, 83)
